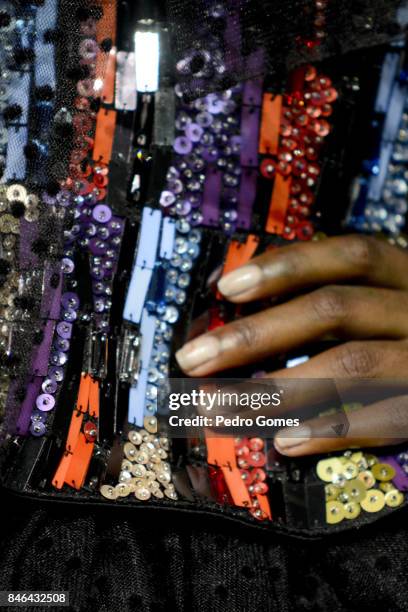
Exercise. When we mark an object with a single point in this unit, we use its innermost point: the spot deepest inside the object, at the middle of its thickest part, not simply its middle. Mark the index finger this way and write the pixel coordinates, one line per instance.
(362, 258)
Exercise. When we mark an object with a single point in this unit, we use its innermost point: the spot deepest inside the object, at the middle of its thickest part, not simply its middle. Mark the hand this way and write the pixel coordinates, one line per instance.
(357, 291)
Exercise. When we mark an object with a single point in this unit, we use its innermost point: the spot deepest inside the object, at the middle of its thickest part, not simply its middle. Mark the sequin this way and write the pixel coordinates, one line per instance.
(45, 402)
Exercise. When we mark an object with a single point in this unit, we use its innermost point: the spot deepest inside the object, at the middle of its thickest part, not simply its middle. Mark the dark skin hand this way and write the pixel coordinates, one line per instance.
(354, 288)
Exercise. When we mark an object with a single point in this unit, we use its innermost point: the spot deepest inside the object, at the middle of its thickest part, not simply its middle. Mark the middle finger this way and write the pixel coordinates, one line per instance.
(349, 312)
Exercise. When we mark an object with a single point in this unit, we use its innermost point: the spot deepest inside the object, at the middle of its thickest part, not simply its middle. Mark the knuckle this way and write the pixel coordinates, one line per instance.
(289, 260)
(398, 412)
(329, 304)
(356, 360)
(362, 252)
(244, 334)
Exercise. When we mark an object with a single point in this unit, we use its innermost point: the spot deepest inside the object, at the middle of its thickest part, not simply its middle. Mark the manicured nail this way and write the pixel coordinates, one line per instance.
(197, 352)
(214, 276)
(240, 281)
(291, 437)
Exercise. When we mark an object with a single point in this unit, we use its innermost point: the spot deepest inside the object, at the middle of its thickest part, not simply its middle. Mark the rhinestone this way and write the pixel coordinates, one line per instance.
(142, 493)
(142, 457)
(122, 489)
(171, 314)
(135, 437)
(163, 477)
(125, 476)
(130, 451)
(150, 424)
(158, 493)
(108, 492)
(138, 470)
(16, 192)
(170, 494)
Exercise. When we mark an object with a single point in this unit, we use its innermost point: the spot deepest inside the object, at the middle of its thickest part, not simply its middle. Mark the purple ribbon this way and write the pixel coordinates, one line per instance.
(249, 134)
(51, 298)
(23, 422)
(42, 354)
(246, 197)
(401, 478)
(252, 94)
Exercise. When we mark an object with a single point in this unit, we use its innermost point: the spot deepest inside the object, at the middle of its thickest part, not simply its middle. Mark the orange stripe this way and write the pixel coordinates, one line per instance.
(108, 89)
(74, 429)
(238, 254)
(105, 28)
(83, 393)
(104, 133)
(94, 399)
(264, 505)
(221, 452)
(69, 462)
(278, 206)
(270, 124)
(79, 465)
(236, 486)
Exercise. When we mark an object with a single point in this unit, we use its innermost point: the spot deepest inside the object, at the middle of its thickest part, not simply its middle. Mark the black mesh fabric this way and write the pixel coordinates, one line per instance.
(269, 37)
(113, 565)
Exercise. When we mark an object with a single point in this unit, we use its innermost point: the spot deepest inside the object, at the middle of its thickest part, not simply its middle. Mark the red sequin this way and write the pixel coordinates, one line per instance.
(268, 168)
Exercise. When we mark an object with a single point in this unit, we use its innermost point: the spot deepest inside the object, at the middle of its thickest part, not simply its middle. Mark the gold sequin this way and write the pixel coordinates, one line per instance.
(124, 476)
(355, 490)
(327, 468)
(386, 486)
(349, 470)
(356, 487)
(394, 498)
(16, 192)
(334, 512)
(356, 457)
(383, 472)
(374, 501)
(352, 510)
(158, 493)
(170, 493)
(109, 492)
(135, 437)
(143, 470)
(122, 489)
(367, 479)
(9, 225)
(150, 424)
(31, 215)
(130, 451)
(126, 465)
(371, 460)
(332, 492)
(142, 493)
(141, 457)
(138, 470)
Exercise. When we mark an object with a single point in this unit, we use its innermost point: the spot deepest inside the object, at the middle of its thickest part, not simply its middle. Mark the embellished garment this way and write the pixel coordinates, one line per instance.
(141, 149)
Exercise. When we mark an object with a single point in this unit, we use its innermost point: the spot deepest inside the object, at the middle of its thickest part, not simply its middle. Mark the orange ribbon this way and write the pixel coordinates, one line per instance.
(78, 452)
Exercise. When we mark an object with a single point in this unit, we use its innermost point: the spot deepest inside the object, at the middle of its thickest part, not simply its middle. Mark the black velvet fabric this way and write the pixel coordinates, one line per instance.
(109, 563)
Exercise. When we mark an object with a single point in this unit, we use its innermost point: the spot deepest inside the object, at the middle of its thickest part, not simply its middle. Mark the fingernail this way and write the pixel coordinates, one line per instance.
(289, 438)
(197, 352)
(240, 281)
(214, 276)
